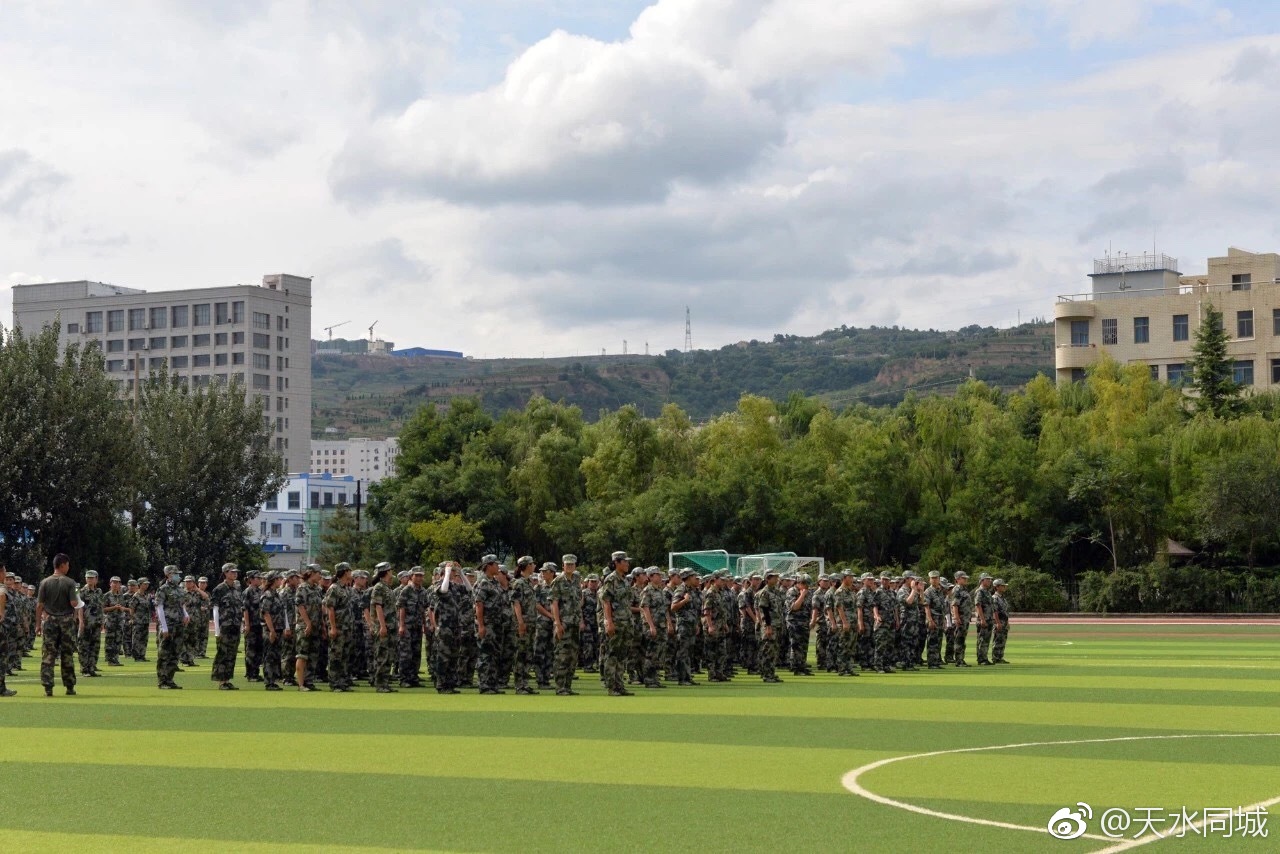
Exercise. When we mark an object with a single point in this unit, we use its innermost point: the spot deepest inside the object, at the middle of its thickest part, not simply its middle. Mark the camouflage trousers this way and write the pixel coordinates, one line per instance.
(115, 638)
(653, 650)
(141, 639)
(522, 661)
(984, 643)
(488, 663)
(933, 645)
(340, 659)
(884, 645)
(798, 633)
(59, 645)
(617, 651)
(168, 649)
(749, 647)
(384, 650)
(683, 650)
(224, 660)
(590, 648)
(543, 651)
(566, 657)
(506, 630)
(90, 644)
(866, 649)
(5, 643)
(823, 648)
(446, 663)
(1000, 638)
(846, 652)
(470, 651)
(409, 655)
(961, 635)
(271, 659)
(716, 649)
(767, 658)
(288, 655)
(253, 651)
(949, 635)
(193, 634)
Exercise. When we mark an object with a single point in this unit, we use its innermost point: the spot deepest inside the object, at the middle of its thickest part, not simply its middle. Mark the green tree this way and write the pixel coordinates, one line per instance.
(341, 539)
(1238, 502)
(1217, 392)
(207, 464)
(446, 537)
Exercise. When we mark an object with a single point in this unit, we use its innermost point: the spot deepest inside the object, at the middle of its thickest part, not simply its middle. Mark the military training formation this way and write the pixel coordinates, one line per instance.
(494, 629)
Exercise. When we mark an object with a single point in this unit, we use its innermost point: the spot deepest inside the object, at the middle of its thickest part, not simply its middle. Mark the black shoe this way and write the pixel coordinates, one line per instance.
(448, 691)
(623, 693)
(7, 693)
(565, 692)
(71, 692)
(48, 692)
(999, 661)
(271, 686)
(935, 666)
(228, 686)
(687, 683)
(772, 680)
(386, 690)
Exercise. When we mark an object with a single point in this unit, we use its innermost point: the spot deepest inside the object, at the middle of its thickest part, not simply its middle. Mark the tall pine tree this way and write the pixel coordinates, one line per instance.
(1217, 392)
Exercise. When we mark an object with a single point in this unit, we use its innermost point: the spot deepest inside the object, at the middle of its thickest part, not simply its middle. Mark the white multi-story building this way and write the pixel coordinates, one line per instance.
(260, 335)
(368, 459)
(289, 525)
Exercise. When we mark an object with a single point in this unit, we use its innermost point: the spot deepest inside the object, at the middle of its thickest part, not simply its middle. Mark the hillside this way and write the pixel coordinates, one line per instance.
(373, 395)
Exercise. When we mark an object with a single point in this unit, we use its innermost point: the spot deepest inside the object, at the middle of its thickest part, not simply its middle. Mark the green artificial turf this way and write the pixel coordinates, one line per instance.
(741, 766)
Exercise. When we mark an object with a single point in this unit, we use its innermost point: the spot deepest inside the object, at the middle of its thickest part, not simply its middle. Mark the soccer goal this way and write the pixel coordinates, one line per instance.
(783, 562)
(707, 561)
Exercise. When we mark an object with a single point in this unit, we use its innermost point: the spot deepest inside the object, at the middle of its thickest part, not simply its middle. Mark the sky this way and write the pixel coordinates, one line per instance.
(556, 177)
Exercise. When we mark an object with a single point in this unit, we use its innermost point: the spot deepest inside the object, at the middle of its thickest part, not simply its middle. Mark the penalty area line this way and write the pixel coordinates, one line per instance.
(850, 781)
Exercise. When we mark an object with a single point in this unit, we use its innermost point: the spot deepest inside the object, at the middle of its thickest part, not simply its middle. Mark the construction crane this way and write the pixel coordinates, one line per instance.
(371, 325)
(330, 329)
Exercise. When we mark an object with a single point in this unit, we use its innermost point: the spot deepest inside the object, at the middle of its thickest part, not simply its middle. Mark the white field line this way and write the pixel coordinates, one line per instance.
(850, 781)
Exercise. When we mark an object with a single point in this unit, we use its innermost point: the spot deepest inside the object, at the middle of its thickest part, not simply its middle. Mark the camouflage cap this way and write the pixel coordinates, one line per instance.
(549, 567)
(230, 567)
(984, 576)
(488, 559)
(202, 579)
(417, 570)
(133, 582)
(961, 574)
(114, 578)
(250, 575)
(906, 573)
(271, 575)
(689, 573)
(171, 569)
(313, 566)
(933, 573)
(381, 566)
(657, 570)
(573, 559)
(1000, 582)
(190, 578)
(402, 574)
(91, 574)
(593, 577)
(288, 573)
(947, 584)
(342, 565)
(770, 571)
(755, 576)
(525, 560)
(616, 556)
(884, 575)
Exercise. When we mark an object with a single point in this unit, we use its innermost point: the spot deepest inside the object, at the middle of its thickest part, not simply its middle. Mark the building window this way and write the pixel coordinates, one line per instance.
(237, 378)
(279, 383)
(73, 328)
(1241, 281)
(115, 365)
(237, 337)
(221, 313)
(137, 343)
(342, 499)
(1110, 335)
(156, 363)
(219, 339)
(273, 503)
(299, 531)
(315, 499)
(261, 381)
(137, 318)
(275, 529)
(158, 343)
(261, 341)
(1177, 374)
(237, 358)
(261, 361)
(263, 529)
(328, 499)
(280, 342)
(200, 340)
(115, 345)
(1141, 330)
(237, 311)
(261, 320)
(115, 320)
(158, 317)
(1244, 324)
(177, 341)
(1242, 372)
(1079, 333)
(220, 360)
(178, 317)
(200, 314)
(93, 321)
(178, 362)
(279, 363)
(1181, 328)
(295, 500)
(279, 323)
(200, 361)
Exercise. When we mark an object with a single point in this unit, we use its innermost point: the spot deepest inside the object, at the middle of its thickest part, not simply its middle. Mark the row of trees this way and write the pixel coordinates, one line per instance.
(1062, 479)
(172, 475)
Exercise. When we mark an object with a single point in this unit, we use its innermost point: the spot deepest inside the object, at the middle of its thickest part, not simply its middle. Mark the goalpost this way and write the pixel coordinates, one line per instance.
(782, 562)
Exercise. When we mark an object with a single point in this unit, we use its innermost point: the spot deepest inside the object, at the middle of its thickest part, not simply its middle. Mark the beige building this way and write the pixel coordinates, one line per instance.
(260, 335)
(1141, 310)
(369, 460)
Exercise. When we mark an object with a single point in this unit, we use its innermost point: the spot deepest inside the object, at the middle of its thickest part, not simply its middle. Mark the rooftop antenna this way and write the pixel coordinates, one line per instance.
(688, 330)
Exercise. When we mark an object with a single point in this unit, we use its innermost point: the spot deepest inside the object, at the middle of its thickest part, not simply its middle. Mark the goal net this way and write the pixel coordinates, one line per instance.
(782, 562)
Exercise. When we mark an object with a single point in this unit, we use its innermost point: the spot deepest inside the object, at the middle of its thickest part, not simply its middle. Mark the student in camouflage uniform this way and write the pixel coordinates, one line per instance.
(503, 622)
(866, 603)
(1000, 621)
(448, 601)
(655, 628)
(361, 637)
(949, 632)
(470, 647)
(935, 614)
(411, 616)
(748, 633)
(985, 610)
(686, 613)
(820, 624)
(961, 613)
(524, 605)
(60, 617)
(341, 627)
(590, 656)
(544, 639)
(91, 638)
(566, 611)
(8, 629)
(206, 614)
(886, 625)
(253, 631)
(171, 620)
(308, 625)
(715, 619)
(288, 642)
(771, 610)
(228, 615)
(143, 607)
(616, 598)
(488, 597)
(115, 611)
(318, 667)
(382, 616)
(799, 625)
(131, 594)
(272, 630)
(911, 618)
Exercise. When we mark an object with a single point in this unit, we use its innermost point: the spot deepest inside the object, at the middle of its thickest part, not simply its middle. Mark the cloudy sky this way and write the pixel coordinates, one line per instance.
(519, 177)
